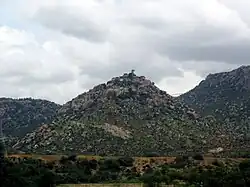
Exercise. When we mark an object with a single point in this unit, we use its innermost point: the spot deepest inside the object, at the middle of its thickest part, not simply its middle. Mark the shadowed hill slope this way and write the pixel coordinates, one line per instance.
(20, 116)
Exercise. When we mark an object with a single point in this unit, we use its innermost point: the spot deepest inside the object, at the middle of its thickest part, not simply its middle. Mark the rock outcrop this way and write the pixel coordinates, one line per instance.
(128, 115)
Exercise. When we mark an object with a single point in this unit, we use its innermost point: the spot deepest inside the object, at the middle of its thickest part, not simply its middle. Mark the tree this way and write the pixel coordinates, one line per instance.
(126, 161)
(198, 157)
(72, 157)
(110, 165)
(244, 167)
(47, 178)
(2, 154)
(2, 150)
(153, 179)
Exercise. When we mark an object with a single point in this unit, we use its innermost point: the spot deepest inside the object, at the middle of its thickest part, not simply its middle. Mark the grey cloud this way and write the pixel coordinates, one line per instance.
(148, 67)
(45, 80)
(83, 50)
(197, 39)
(240, 7)
(203, 68)
(234, 54)
(148, 23)
(201, 43)
(126, 55)
(27, 71)
(182, 40)
(77, 25)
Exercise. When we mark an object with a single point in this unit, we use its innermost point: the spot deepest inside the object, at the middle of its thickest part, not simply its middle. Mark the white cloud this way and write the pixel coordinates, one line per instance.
(31, 67)
(56, 49)
(177, 85)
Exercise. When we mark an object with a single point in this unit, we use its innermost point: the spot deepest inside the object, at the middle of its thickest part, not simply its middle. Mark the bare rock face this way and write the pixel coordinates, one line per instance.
(128, 115)
(111, 94)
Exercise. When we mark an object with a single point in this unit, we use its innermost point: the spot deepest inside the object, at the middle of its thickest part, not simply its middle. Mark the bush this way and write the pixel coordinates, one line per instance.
(180, 162)
(245, 165)
(63, 160)
(198, 157)
(72, 158)
(181, 159)
(93, 164)
(126, 161)
(217, 163)
(110, 164)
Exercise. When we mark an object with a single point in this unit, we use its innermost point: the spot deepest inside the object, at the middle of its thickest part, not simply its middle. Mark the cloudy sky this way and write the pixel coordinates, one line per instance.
(56, 49)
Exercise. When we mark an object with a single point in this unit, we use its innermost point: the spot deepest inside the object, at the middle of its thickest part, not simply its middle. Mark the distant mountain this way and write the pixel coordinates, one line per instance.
(20, 116)
(226, 96)
(128, 115)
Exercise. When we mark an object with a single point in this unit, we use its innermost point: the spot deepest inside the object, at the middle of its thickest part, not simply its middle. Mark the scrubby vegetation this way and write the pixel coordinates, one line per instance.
(127, 115)
(130, 116)
(22, 116)
(183, 171)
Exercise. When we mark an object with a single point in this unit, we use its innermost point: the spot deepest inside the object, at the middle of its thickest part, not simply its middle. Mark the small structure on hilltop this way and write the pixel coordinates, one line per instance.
(131, 74)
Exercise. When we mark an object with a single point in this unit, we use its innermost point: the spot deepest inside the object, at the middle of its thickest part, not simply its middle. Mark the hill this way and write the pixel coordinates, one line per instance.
(226, 96)
(128, 115)
(20, 116)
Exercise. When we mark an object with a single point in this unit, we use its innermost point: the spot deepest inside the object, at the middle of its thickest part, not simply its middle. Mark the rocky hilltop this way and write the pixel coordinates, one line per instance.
(226, 96)
(20, 116)
(128, 115)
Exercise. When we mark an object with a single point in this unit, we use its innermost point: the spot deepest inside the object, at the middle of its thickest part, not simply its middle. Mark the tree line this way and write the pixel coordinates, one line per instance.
(184, 171)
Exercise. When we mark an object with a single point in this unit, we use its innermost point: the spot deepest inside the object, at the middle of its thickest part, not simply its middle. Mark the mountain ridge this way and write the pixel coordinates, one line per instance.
(126, 110)
(226, 96)
(130, 112)
(223, 87)
(23, 115)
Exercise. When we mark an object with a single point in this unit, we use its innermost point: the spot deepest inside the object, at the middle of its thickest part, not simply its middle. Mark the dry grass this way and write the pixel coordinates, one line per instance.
(43, 157)
(51, 157)
(89, 157)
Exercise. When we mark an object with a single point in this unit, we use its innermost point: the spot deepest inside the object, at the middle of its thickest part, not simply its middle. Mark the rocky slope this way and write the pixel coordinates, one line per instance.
(128, 115)
(20, 116)
(226, 96)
